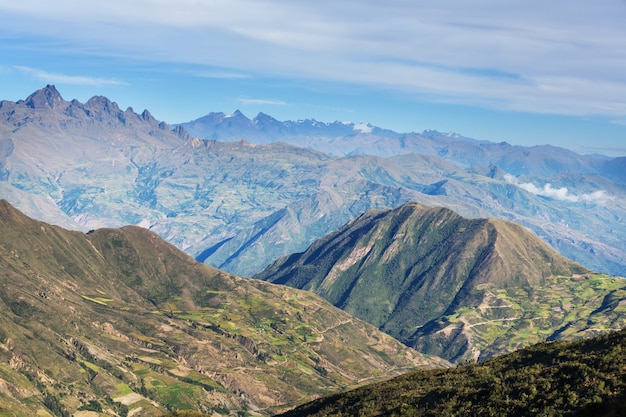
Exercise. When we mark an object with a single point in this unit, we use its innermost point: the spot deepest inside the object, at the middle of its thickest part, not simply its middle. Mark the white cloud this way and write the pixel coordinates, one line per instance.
(261, 101)
(54, 78)
(560, 57)
(600, 197)
(221, 75)
(611, 151)
(363, 127)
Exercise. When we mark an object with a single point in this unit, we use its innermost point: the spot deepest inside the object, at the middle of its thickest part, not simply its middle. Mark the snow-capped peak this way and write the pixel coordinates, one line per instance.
(363, 127)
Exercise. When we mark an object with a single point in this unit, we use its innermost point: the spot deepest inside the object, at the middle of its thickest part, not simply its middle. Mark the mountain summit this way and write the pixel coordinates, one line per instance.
(443, 283)
(48, 97)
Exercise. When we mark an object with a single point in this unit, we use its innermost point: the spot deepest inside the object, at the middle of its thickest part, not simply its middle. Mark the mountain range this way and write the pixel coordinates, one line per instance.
(554, 174)
(463, 289)
(240, 205)
(118, 321)
(412, 233)
(346, 138)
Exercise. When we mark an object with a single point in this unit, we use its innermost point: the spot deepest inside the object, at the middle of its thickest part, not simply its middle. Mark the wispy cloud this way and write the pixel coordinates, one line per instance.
(557, 57)
(620, 122)
(55, 78)
(227, 75)
(599, 197)
(261, 101)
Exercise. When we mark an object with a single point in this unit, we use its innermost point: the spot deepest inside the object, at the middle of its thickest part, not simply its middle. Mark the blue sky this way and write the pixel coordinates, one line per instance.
(523, 71)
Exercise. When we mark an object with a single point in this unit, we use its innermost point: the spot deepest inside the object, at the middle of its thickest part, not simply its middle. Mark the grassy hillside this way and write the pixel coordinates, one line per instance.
(586, 378)
(118, 322)
(454, 287)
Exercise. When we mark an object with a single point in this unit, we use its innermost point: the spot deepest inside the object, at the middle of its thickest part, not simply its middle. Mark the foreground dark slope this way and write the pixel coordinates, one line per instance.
(549, 379)
(118, 319)
(451, 286)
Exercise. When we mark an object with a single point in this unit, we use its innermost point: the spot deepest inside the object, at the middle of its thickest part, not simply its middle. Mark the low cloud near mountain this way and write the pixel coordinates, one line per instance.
(562, 193)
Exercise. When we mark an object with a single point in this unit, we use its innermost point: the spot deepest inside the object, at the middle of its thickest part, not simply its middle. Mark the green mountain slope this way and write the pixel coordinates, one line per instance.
(119, 320)
(586, 378)
(451, 286)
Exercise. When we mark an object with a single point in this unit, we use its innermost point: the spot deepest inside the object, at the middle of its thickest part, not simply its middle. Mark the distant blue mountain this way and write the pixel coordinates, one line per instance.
(246, 192)
(344, 139)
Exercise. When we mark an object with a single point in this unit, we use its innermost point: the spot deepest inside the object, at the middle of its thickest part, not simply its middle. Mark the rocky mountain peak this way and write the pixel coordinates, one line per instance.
(48, 97)
(104, 104)
(6, 210)
(147, 116)
(263, 118)
(238, 114)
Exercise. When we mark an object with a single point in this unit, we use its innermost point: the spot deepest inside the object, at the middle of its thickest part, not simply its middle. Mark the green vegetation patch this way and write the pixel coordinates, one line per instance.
(177, 395)
(90, 365)
(123, 389)
(98, 300)
(146, 339)
(565, 308)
